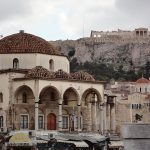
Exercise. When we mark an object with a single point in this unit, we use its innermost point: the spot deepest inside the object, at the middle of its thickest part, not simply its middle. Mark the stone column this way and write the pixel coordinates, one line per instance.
(101, 119)
(90, 117)
(36, 114)
(79, 115)
(108, 116)
(95, 113)
(113, 119)
(36, 103)
(104, 114)
(60, 116)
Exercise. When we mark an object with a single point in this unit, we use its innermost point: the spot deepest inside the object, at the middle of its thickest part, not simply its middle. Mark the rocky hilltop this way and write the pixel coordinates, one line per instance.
(107, 58)
(125, 52)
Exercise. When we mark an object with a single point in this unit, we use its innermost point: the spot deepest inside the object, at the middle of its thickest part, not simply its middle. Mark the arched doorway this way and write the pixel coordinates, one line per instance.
(70, 103)
(51, 121)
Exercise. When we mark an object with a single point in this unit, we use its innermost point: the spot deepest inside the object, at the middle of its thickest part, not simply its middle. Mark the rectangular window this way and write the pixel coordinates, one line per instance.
(24, 122)
(65, 122)
(41, 122)
(1, 97)
(1, 121)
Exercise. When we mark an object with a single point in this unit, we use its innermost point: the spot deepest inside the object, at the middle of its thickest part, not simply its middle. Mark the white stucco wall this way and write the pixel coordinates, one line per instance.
(28, 61)
(4, 88)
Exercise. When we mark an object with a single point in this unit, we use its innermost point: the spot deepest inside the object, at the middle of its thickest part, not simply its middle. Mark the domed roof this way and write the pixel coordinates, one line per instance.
(82, 75)
(26, 43)
(142, 80)
(39, 72)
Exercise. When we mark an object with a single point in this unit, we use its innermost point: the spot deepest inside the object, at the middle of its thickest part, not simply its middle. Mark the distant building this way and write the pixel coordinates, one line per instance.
(139, 32)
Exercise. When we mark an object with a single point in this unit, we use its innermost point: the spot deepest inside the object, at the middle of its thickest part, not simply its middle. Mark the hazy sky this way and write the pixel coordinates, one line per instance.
(71, 19)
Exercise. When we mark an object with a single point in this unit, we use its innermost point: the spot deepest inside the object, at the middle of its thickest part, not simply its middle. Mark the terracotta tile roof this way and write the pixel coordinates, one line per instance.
(82, 75)
(26, 43)
(60, 74)
(142, 80)
(40, 72)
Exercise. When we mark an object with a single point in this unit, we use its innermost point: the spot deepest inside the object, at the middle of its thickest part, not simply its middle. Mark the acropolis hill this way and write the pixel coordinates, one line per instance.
(111, 47)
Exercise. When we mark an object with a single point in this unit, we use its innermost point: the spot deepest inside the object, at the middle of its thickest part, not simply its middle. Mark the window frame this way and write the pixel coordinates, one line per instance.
(67, 128)
(41, 115)
(15, 63)
(23, 121)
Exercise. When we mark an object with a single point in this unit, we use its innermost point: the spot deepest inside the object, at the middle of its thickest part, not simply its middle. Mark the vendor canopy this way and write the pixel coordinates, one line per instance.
(20, 139)
(76, 143)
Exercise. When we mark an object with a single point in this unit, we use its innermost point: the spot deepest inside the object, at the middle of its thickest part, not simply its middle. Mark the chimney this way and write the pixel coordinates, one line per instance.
(21, 31)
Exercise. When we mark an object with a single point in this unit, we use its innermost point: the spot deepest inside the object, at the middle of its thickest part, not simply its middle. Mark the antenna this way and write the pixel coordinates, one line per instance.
(83, 25)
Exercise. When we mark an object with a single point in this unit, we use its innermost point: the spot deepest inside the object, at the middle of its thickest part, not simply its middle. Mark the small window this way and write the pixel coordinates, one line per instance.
(1, 121)
(51, 65)
(24, 97)
(1, 97)
(65, 122)
(41, 122)
(65, 102)
(15, 63)
(52, 96)
(24, 122)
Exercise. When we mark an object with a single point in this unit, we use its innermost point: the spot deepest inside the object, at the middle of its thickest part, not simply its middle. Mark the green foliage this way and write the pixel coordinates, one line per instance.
(71, 52)
(105, 72)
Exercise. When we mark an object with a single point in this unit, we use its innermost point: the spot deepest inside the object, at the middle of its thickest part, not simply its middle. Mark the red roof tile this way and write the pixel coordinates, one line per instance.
(142, 80)
(26, 43)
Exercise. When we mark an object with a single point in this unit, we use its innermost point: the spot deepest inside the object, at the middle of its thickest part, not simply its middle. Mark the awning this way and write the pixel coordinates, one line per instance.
(20, 139)
(93, 138)
(116, 144)
(76, 143)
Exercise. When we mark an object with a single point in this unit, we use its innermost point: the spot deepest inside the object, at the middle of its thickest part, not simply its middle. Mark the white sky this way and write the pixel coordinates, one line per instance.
(71, 19)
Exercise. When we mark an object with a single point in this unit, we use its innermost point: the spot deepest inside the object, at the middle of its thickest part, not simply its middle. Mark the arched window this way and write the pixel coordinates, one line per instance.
(51, 65)
(65, 102)
(140, 89)
(24, 97)
(15, 63)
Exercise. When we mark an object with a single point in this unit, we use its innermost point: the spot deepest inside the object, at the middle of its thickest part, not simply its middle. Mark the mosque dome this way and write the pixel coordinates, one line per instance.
(142, 80)
(26, 43)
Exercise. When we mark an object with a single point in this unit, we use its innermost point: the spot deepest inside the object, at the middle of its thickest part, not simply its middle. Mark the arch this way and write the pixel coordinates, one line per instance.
(24, 94)
(51, 65)
(49, 93)
(89, 95)
(70, 97)
(15, 63)
(51, 121)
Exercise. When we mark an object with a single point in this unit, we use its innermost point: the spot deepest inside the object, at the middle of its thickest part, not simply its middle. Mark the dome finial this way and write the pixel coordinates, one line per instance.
(21, 31)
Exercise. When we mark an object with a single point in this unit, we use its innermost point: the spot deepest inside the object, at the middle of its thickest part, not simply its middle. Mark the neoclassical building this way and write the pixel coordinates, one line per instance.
(38, 92)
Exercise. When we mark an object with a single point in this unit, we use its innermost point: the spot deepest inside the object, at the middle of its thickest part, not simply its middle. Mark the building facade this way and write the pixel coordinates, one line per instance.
(38, 92)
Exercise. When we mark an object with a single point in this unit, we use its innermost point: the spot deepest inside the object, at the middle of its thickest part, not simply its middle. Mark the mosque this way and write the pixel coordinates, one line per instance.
(38, 92)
